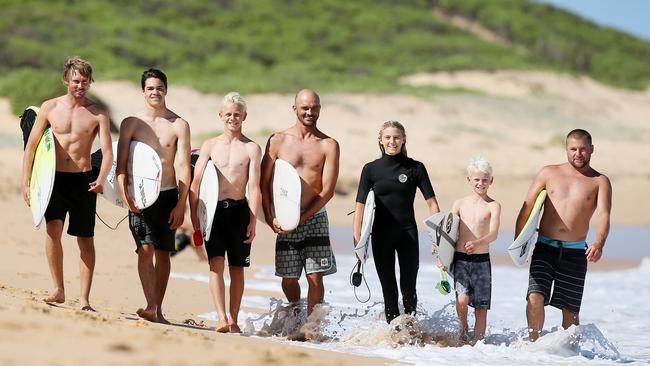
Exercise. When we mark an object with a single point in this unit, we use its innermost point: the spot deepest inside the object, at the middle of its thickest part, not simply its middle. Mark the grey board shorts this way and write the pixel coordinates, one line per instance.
(473, 277)
(307, 246)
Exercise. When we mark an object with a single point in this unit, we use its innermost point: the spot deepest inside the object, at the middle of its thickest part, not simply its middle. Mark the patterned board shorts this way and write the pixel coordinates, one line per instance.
(473, 277)
(307, 246)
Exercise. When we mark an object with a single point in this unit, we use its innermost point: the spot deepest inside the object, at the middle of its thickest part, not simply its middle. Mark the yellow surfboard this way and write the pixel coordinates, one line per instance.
(41, 180)
(522, 248)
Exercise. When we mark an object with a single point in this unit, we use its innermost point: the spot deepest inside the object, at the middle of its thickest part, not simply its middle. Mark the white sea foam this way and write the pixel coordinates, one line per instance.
(615, 326)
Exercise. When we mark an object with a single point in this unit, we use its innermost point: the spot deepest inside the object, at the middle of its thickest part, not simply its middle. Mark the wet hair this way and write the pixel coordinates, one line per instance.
(579, 133)
(153, 73)
(77, 63)
(235, 98)
(393, 124)
(479, 163)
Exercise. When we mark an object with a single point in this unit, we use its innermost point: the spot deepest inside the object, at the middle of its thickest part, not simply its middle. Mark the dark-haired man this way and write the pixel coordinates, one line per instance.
(575, 191)
(153, 228)
(75, 121)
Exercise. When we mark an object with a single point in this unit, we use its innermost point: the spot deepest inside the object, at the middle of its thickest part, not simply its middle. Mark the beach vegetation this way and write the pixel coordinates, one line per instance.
(261, 46)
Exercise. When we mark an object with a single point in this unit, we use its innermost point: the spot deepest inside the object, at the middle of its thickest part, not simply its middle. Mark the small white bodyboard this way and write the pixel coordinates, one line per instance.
(363, 246)
(208, 198)
(286, 194)
(442, 227)
(41, 180)
(144, 174)
(522, 248)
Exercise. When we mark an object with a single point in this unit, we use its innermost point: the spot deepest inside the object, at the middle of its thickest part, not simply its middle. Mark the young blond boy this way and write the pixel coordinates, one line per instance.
(479, 226)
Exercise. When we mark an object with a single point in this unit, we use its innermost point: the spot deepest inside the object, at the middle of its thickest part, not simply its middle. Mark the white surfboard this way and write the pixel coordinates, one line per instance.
(443, 230)
(208, 198)
(362, 247)
(41, 180)
(286, 194)
(522, 248)
(144, 171)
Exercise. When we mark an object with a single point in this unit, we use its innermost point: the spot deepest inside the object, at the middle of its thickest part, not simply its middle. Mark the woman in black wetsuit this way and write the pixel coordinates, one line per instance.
(394, 178)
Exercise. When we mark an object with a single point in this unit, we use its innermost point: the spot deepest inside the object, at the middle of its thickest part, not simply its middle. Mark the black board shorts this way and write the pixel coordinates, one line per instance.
(70, 196)
(229, 232)
(151, 225)
(562, 268)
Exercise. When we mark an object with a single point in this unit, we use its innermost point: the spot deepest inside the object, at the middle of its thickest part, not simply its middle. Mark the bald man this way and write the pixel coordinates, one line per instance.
(316, 158)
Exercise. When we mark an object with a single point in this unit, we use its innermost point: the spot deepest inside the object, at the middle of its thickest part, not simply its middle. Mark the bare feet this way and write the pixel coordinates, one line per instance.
(223, 328)
(147, 314)
(57, 297)
(161, 318)
(234, 328)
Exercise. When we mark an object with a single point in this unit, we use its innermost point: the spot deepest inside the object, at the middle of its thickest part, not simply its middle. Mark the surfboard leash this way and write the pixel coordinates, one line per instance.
(107, 225)
(357, 275)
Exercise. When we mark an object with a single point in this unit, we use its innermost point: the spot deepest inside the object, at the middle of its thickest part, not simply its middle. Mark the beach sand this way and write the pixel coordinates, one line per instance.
(518, 120)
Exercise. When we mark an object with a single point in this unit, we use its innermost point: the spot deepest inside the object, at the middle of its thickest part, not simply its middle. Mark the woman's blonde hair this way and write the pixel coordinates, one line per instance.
(393, 124)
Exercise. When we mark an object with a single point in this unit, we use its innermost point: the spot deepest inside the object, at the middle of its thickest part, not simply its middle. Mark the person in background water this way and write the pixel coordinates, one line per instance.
(394, 178)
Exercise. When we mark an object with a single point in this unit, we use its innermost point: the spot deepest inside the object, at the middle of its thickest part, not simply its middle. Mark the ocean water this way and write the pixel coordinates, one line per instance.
(615, 327)
(623, 242)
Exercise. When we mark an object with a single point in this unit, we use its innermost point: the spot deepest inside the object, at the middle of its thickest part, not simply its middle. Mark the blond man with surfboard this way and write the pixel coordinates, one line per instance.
(153, 228)
(75, 122)
(237, 159)
(575, 192)
(315, 157)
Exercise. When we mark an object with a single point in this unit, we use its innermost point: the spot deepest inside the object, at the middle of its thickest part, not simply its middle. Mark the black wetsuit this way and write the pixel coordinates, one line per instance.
(394, 180)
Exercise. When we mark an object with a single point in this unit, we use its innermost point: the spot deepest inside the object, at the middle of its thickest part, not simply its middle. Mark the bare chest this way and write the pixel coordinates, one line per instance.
(475, 216)
(72, 123)
(160, 136)
(304, 156)
(231, 157)
(577, 191)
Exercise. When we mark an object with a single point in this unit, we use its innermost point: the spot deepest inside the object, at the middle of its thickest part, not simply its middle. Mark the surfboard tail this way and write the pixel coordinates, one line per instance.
(361, 251)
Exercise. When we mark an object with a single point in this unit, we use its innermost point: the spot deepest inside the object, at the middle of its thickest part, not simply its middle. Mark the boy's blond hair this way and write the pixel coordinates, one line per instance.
(235, 98)
(479, 163)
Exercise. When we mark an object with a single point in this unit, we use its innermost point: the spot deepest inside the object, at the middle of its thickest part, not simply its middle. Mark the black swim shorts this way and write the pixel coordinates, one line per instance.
(70, 195)
(564, 269)
(151, 225)
(229, 232)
